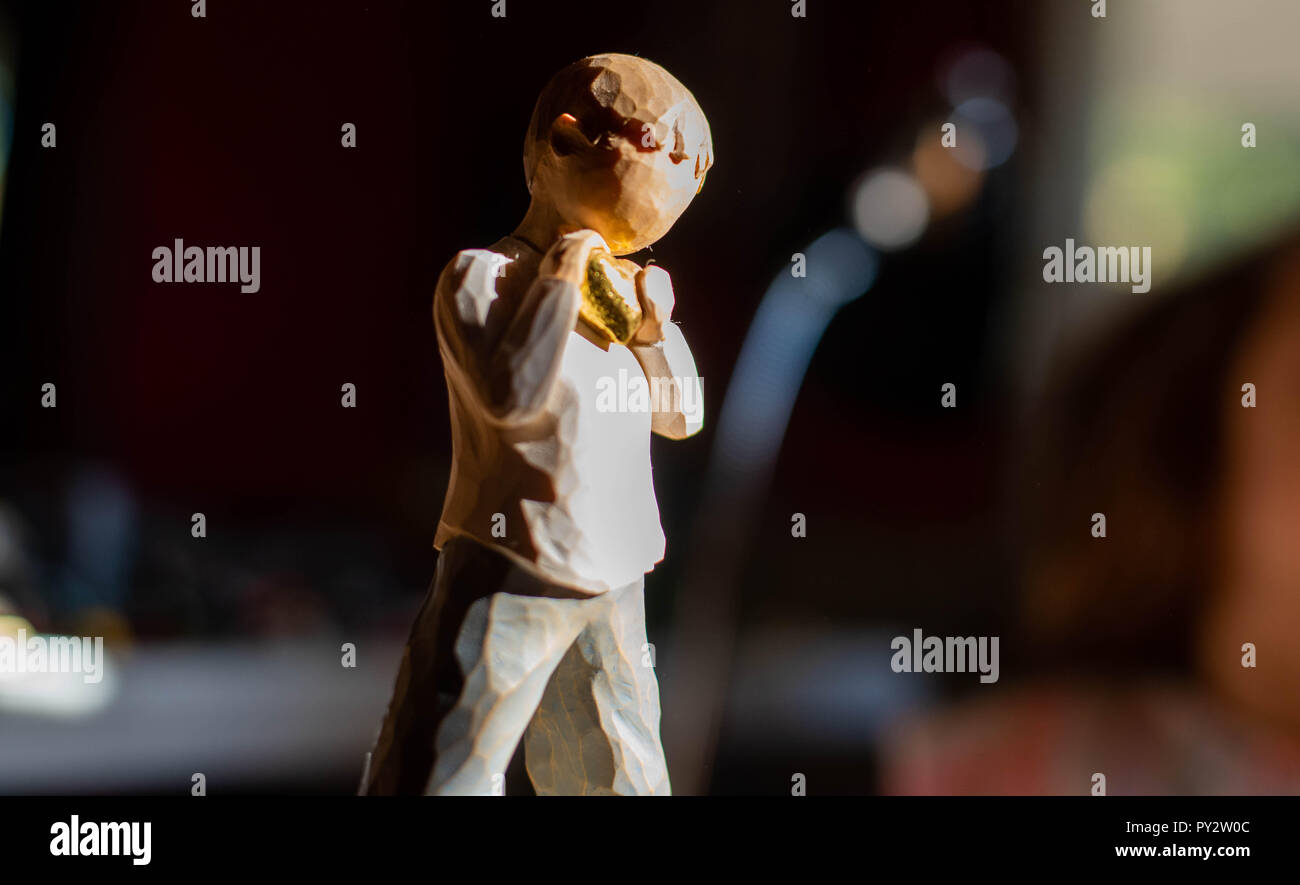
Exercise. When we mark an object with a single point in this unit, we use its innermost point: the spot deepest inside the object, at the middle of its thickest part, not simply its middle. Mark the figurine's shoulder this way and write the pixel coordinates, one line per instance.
(474, 279)
(468, 284)
(507, 250)
(482, 267)
(470, 264)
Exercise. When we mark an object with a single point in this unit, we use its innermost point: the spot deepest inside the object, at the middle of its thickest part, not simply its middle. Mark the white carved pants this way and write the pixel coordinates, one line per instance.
(574, 678)
(496, 655)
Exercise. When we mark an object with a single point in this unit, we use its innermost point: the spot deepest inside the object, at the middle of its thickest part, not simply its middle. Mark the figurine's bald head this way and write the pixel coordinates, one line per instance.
(617, 145)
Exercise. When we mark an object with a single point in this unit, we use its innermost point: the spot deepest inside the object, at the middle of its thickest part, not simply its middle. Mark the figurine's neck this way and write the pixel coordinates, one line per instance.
(541, 226)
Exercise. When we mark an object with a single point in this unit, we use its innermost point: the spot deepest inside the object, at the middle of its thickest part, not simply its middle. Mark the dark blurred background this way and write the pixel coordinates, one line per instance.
(176, 399)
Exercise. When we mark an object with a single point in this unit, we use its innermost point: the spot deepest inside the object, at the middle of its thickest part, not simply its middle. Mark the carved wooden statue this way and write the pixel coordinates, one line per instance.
(560, 360)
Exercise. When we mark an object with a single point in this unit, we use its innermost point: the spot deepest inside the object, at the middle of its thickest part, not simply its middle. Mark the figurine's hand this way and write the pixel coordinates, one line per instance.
(567, 258)
(654, 289)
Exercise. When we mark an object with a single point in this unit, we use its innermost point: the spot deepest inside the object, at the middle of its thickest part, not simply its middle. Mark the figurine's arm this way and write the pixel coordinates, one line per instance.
(515, 374)
(659, 346)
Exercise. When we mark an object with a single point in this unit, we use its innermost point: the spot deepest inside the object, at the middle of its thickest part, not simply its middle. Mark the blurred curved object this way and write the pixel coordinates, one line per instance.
(779, 344)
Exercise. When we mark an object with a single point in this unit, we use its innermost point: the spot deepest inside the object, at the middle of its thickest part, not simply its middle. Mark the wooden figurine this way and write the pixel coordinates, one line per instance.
(561, 360)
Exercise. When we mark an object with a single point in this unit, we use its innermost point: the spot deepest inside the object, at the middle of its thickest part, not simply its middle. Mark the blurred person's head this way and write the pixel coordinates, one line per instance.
(1201, 495)
(1257, 594)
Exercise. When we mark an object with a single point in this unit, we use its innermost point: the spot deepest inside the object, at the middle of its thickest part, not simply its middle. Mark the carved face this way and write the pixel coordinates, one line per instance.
(617, 145)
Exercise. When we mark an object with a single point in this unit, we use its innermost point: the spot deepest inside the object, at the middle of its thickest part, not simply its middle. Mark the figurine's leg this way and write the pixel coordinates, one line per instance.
(431, 682)
(507, 649)
(596, 730)
(427, 681)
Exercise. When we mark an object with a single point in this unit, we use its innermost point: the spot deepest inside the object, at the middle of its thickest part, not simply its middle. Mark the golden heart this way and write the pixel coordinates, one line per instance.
(609, 302)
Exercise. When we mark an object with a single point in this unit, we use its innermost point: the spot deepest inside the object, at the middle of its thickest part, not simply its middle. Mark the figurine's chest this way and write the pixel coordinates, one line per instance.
(606, 390)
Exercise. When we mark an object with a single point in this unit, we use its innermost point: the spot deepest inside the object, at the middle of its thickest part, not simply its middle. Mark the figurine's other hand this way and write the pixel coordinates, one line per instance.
(654, 289)
(567, 258)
